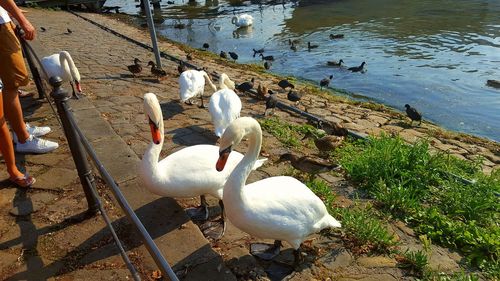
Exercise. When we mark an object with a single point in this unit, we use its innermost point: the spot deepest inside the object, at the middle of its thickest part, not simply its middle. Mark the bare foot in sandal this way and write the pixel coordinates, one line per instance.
(23, 181)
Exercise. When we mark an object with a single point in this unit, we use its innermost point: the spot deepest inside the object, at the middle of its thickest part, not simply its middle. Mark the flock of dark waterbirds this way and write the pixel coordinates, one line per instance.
(263, 92)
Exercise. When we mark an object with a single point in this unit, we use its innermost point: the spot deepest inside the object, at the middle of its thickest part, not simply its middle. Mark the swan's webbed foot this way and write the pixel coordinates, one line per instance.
(265, 251)
(214, 229)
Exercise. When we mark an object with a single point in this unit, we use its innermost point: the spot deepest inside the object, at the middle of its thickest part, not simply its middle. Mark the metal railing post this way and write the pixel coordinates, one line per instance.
(60, 97)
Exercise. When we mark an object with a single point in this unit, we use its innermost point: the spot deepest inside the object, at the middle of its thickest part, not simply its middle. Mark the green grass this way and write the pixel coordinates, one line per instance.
(457, 276)
(415, 261)
(288, 134)
(363, 230)
(414, 185)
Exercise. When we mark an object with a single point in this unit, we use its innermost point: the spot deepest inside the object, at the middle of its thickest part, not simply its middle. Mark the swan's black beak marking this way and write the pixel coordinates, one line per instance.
(223, 156)
(155, 131)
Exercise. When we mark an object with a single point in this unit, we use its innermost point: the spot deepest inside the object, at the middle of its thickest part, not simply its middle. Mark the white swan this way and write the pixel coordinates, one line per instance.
(224, 105)
(192, 84)
(62, 65)
(279, 208)
(188, 172)
(242, 20)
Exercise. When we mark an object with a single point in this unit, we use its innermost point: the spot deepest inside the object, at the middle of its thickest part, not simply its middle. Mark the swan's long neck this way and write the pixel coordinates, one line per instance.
(207, 78)
(239, 176)
(66, 57)
(152, 154)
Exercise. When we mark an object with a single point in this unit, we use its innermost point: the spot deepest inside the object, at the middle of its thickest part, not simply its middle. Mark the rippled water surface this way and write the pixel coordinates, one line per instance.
(433, 54)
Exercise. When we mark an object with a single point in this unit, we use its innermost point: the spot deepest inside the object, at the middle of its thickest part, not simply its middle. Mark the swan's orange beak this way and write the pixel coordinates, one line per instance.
(78, 86)
(223, 156)
(155, 132)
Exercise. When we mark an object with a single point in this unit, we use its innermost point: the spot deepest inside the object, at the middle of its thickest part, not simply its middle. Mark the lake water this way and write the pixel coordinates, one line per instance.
(433, 54)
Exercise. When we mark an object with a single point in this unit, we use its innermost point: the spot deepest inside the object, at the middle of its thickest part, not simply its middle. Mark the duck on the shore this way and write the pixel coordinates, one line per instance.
(206, 46)
(271, 58)
(336, 36)
(261, 92)
(135, 68)
(192, 84)
(61, 64)
(245, 86)
(271, 102)
(156, 71)
(325, 82)
(242, 20)
(335, 63)
(308, 164)
(278, 208)
(175, 177)
(285, 84)
(357, 68)
(310, 46)
(333, 128)
(294, 96)
(413, 114)
(224, 105)
(223, 54)
(233, 55)
(325, 143)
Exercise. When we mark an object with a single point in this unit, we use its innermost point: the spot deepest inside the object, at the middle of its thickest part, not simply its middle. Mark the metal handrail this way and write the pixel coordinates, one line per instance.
(148, 241)
(75, 140)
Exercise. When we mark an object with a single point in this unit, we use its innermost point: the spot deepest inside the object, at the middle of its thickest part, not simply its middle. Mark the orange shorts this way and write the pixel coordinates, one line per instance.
(12, 68)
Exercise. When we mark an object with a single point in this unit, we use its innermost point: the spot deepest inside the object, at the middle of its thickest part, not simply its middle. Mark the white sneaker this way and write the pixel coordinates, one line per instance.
(37, 131)
(33, 130)
(35, 145)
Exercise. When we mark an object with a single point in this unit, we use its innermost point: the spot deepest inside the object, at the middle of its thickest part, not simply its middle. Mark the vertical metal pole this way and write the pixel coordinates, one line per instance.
(152, 32)
(60, 97)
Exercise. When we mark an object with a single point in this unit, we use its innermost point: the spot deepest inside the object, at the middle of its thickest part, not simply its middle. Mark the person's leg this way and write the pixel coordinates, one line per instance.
(6, 145)
(14, 113)
(13, 73)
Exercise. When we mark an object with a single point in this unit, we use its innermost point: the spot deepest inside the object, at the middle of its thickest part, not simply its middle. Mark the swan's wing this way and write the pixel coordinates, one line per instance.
(225, 107)
(286, 198)
(52, 66)
(187, 85)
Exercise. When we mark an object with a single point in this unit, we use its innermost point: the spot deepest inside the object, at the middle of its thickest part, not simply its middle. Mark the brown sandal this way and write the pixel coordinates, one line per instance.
(23, 181)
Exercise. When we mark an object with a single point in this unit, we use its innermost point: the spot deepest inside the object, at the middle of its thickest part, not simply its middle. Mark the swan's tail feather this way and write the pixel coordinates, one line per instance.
(332, 222)
(259, 163)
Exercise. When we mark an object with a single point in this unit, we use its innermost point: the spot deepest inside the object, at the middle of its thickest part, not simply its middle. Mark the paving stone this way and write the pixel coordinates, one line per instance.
(23, 207)
(377, 261)
(366, 277)
(57, 179)
(49, 159)
(336, 259)
(7, 259)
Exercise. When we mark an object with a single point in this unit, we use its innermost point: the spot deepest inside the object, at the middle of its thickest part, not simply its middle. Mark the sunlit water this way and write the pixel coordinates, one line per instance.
(433, 54)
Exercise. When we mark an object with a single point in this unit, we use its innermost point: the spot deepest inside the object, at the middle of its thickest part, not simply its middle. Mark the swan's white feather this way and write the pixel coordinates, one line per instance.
(224, 108)
(280, 208)
(192, 84)
(60, 64)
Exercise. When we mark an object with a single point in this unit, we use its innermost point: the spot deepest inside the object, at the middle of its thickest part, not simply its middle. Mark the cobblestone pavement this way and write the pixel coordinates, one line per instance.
(39, 241)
